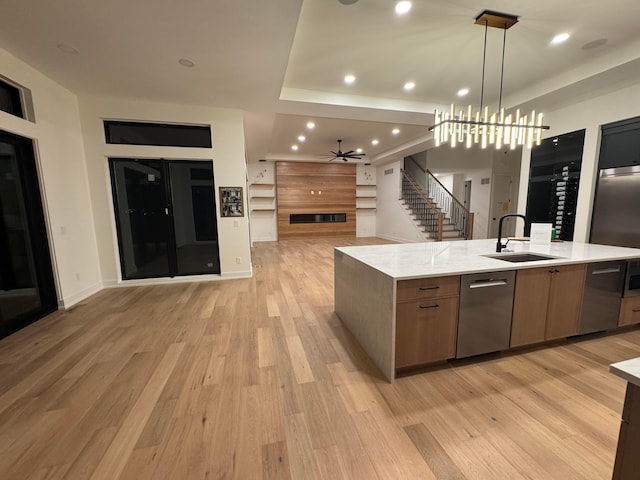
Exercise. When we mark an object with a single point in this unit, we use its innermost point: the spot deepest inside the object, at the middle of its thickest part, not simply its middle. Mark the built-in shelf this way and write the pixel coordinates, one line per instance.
(365, 185)
(365, 196)
(262, 185)
(263, 209)
(365, 208)
(265, 197)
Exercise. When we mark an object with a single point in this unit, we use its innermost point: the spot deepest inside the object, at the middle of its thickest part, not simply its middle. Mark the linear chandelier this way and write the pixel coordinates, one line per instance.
(468, 127)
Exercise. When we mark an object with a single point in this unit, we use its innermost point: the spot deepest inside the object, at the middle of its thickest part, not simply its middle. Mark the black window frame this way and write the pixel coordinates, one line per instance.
(14, 96)
(204, 131)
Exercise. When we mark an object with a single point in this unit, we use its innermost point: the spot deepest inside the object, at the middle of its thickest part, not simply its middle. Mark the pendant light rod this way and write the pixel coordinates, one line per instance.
(484, 60)
(504, 44)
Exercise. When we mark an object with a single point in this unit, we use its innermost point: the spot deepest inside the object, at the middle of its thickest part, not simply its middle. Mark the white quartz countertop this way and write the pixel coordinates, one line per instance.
(628, 369)
(405, 261)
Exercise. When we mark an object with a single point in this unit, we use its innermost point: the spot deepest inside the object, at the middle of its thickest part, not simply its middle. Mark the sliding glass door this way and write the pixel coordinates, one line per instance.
(166, 217)
(27, 289)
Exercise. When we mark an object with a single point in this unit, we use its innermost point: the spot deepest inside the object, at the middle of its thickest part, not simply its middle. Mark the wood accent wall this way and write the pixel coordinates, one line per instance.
(294, 183)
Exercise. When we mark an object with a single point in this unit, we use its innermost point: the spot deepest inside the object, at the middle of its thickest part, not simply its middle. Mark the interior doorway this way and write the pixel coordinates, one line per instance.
(501, 205)
(27, 288)
(466, 196)
(165, 217)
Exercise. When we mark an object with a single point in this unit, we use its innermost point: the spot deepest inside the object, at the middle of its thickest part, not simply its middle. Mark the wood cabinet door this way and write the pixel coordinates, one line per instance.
(530, 306)
(629, 311)
(565, 300)
(426, 331)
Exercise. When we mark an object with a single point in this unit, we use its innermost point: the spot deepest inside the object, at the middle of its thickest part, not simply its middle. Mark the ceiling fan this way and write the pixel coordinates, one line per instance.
(346, 156)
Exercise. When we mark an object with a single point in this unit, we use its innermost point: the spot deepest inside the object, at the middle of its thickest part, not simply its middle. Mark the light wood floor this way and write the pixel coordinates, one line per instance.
(257, 378)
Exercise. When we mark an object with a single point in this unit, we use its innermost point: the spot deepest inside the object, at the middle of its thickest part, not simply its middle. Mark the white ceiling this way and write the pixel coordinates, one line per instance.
(283, 61)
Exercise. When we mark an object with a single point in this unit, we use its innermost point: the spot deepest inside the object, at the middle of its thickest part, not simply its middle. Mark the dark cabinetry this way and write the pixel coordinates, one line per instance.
(553, 182)
(620, 144)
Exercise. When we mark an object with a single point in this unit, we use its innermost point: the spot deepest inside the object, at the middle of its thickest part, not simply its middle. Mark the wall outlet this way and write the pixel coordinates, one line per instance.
(238, 260)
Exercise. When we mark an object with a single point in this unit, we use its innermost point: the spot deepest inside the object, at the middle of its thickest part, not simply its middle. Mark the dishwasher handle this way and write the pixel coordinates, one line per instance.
(488, 283)
(606, 270)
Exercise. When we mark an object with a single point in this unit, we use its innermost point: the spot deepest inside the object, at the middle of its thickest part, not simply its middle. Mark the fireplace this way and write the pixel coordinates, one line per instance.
(317, 218)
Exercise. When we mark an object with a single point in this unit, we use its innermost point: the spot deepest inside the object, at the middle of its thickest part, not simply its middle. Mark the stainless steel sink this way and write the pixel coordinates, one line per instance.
(521, 257)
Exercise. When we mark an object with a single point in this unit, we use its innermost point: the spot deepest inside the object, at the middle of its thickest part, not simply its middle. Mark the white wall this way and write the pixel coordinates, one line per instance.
(264, 225)
(392, 220)
(590, 115)
(366, 219)
(63, 177)
(228, 157)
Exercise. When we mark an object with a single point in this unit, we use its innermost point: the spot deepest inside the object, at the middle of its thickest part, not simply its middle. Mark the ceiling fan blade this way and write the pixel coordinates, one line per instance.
(337, 154)
(348, 153)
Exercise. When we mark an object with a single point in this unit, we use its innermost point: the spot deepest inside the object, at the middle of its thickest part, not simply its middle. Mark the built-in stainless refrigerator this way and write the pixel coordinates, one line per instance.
(616, 215)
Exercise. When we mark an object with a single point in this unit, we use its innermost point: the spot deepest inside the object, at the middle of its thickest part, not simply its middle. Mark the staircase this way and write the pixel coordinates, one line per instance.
(437, 212)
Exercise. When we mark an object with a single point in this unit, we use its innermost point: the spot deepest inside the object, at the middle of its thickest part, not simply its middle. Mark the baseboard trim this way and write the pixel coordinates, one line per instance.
(395, 239)
(184, 279)
(71, 300)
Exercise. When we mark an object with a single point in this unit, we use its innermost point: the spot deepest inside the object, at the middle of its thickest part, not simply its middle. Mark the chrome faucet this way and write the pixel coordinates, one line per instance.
(499, 245)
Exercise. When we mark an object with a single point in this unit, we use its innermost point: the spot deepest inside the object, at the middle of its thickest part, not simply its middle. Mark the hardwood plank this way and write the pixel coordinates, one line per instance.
(115, 458)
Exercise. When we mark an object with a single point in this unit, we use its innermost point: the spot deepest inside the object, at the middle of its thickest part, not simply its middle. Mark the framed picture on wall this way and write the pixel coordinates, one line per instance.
(231, 202)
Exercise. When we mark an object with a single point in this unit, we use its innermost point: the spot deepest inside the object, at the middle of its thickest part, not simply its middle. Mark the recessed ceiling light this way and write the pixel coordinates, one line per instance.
(395, 131)
(301, 138)
(409, 86)
(436, 174)
(347, 2)
(294, 148)
(311, 125)
(375, 141)
(403, 6)
(463, 92)
(185, 62)
(359, 150)
(67, 49)
(349, 79)
(560, 38)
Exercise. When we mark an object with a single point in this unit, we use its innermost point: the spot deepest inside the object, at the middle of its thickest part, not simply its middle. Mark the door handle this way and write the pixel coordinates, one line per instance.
(606, 270)
(488, 283)
(435, 305)
(166, 211)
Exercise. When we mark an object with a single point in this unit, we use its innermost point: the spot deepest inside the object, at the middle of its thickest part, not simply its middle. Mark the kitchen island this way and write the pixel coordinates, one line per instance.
(377, 286)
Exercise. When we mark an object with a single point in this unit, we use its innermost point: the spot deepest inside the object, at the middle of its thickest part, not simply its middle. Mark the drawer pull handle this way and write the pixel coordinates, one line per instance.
(430, 306)
(636, 310)
(430, 288)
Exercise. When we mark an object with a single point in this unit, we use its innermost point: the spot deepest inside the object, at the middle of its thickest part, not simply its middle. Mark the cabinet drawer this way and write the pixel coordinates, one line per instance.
(427, 288)
(629, 311)
(426, 331)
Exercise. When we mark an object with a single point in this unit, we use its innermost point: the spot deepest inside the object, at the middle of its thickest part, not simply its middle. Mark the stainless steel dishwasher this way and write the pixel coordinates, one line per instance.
(602, 295)
(484, 320)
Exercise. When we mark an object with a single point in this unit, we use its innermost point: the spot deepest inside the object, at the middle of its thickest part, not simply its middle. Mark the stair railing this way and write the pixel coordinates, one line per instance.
(425, 211)
(460, 215)
(432, 206)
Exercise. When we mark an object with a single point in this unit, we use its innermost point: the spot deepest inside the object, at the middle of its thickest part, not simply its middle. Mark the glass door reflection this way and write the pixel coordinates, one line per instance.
(165, 216)
(194, 215)
(27, 290)
(142, 217)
